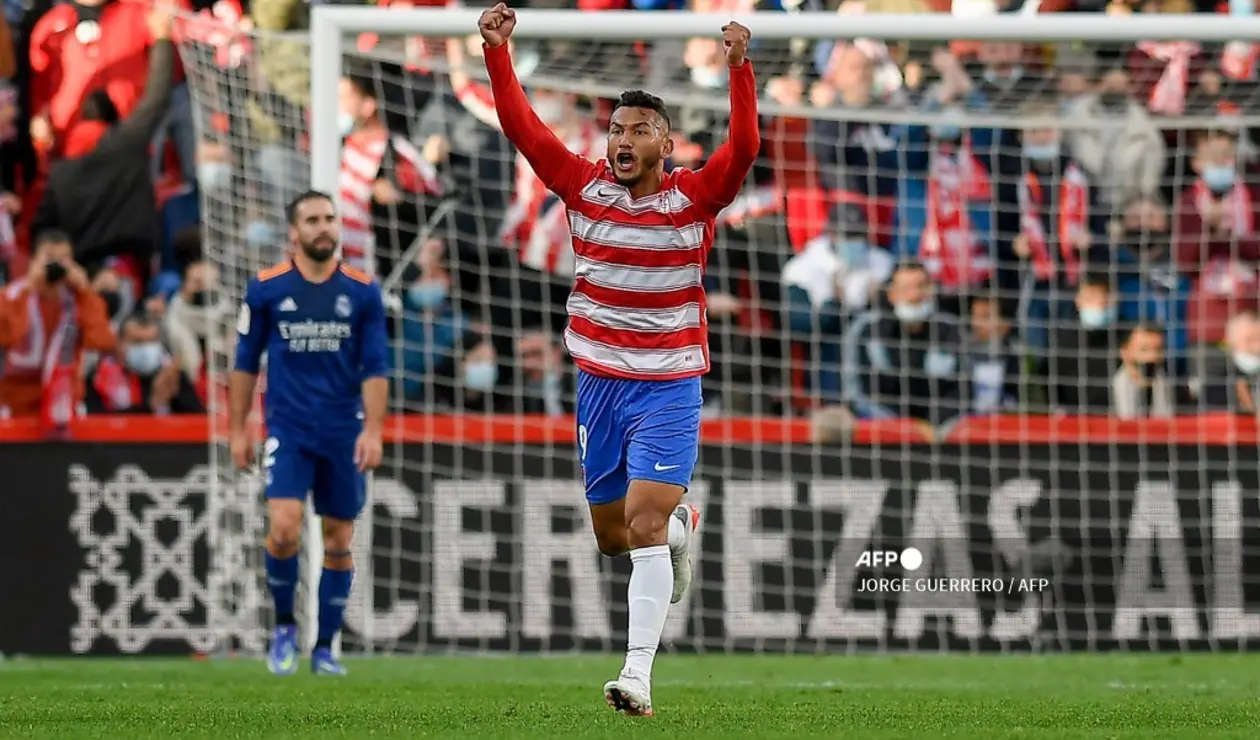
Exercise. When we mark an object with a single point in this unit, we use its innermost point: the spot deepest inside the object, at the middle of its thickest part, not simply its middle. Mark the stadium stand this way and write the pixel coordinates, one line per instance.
(1126, 253)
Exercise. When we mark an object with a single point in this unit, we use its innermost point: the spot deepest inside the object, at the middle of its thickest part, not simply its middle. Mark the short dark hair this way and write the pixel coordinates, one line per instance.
(51, 236)
(645, 100)
(139, 318)
(1144, 327)
(290, 213)
(362, 84)
(909, 266)
(1095, 280)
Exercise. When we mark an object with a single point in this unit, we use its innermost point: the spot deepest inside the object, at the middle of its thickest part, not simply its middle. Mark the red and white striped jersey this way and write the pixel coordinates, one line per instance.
(637, 309)
(362, 156)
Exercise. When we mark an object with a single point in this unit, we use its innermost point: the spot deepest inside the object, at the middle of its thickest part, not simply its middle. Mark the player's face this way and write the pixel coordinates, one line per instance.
(315, 229)
(638, 143)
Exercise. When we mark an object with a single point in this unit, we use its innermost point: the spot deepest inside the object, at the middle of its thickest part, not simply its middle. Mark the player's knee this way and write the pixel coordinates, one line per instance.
(645, 528)
(338, 534)
(284, 537)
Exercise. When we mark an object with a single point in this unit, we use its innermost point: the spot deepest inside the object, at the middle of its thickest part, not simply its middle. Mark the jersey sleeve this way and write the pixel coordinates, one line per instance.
(723, 175)
(372, 328)
(253, 327)
(562, 171)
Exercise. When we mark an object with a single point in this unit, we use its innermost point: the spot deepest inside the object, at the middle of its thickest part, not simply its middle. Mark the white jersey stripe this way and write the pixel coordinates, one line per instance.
(646, 362)
(612, 234)
(686, 316)
(649, 279)
(604, 193)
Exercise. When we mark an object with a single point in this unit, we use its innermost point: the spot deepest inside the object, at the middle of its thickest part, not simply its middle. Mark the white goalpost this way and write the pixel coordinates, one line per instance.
(476, 536)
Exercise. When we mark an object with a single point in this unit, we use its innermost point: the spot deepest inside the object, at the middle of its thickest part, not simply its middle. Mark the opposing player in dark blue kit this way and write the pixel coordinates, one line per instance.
(322, 327)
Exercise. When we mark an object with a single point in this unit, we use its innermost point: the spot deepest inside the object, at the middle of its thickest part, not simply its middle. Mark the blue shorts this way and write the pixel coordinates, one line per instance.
(295, 465)
(636, 430)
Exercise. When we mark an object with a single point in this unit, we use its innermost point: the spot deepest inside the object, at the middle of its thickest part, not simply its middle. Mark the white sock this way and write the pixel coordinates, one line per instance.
(677, 532)
(651, 584)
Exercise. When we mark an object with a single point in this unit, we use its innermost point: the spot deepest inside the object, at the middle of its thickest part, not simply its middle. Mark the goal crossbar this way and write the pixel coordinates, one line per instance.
(330, 26)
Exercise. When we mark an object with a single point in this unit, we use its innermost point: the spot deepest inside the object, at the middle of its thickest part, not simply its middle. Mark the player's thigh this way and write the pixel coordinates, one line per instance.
(340, 489)
(663, 440)
(288, 467)
(608, 521)
(600, 440)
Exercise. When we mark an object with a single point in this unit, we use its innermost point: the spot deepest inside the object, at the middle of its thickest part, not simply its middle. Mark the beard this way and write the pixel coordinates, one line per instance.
(320, 249)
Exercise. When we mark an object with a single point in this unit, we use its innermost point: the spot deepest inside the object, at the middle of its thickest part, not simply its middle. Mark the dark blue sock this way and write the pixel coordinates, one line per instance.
(334, 590)
(282, 581)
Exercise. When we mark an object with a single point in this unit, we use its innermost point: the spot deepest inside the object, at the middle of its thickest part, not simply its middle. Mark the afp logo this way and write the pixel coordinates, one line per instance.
(909, 558)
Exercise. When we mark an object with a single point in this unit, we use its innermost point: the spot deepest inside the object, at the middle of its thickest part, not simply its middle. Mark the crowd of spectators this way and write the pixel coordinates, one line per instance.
(931, 231)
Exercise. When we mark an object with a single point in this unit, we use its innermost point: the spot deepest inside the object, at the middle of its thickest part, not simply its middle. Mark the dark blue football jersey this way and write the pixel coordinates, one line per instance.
(322, 340)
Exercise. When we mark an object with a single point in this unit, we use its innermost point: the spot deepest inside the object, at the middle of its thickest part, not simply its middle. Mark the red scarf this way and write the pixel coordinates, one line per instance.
(119, 390)
(1073, 221)
(54, 357)
(1169, 94)
(1239, 218)
(949, 247)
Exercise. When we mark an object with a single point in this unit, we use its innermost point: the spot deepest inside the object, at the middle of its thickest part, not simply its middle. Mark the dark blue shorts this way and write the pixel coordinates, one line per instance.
(636, 430)
(294, 465)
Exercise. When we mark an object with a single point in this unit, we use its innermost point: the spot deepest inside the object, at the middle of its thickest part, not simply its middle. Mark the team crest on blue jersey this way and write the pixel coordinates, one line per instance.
(343, 306)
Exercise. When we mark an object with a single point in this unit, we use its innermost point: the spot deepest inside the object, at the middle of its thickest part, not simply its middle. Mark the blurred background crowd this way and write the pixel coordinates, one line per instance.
(932, 230)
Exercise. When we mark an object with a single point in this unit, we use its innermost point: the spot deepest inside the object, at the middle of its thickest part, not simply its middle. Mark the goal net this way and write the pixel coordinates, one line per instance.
(982, 357)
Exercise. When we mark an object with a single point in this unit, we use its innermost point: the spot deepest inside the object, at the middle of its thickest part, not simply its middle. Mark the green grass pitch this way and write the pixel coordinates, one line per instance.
(696, 698)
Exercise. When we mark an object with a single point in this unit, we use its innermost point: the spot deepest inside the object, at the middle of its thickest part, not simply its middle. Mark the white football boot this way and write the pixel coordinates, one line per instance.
(680, 557)
(630, 695)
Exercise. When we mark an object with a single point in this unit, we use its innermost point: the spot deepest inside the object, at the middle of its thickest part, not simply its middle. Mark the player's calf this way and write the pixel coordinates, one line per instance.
(609, 522)
(649, 506)
(335, 583)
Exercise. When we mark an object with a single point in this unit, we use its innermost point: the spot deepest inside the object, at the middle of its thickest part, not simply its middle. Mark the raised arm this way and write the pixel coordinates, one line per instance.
(722, 177)
(562, 171)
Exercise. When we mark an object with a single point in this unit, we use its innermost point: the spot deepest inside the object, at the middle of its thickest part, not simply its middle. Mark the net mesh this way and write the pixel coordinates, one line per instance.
(1042, 186)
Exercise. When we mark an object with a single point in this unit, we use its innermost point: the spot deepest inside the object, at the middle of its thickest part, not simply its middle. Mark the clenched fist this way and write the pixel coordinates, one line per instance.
(496, 24)
(735, 39)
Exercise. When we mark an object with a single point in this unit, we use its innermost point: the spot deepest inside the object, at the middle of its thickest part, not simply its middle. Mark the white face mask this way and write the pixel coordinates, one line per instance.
(144, 359)
(913, 313)
(1247, 363)
(345, 123)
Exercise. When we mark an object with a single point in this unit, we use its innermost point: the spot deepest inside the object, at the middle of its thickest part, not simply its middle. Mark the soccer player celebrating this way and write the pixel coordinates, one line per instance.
(322, 325)
(637, 326)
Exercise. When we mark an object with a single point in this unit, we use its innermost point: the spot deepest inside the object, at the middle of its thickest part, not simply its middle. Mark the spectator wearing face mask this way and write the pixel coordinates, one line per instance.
(1125, 155)
(1082, 352)
(387, 183)
(432, 327)
(477, 381)
(140, 378)
(832, 280)
(1234, 384)
(102, 192)
(906, 362)
(858, 161)
(191, 315)
(1150, 287)
(1216, 241)
(1048, 223)
(1141, 387)
(546, 387)
(47, 320)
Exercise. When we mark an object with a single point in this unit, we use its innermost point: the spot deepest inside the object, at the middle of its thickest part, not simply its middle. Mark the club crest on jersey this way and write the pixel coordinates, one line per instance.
(343, 306)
